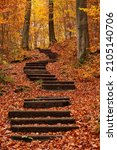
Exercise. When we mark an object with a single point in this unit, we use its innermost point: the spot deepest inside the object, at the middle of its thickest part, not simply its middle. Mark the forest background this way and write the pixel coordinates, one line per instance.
(12, 15)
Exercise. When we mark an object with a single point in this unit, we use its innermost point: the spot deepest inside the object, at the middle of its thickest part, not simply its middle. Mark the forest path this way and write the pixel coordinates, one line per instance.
(43, 121)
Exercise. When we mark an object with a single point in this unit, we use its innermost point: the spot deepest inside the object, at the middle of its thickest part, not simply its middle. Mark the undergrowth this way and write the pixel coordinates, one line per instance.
(87, 67)
(4, 78)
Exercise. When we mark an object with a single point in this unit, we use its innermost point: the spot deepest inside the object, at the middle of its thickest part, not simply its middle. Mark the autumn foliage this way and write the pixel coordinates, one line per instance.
(86, 73)
(11, 24)
(94, 24)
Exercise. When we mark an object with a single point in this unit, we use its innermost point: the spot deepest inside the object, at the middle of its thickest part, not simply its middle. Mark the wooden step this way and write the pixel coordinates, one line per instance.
(49, 53)
(40, 129)
(39, 63)
(36, 71)
(40, 75)
(39, 113)
(42, 78)
(34, 67)
(33, 73)
(58, 82)
(46, 103)
(19, 121)
(58, 86)
(44, 50)
(47, 98)
(29, 138)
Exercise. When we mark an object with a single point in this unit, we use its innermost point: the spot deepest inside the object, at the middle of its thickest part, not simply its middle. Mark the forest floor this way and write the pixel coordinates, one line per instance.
(85, 101)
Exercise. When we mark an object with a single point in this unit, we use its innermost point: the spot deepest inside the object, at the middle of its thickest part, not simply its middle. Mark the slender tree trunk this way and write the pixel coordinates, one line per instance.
(2, 36)
(65, 27)
(52, 38)
(4, 32)
(35, 39)
(35, 34)
(26, 28)
(68, 23)
(82, 28)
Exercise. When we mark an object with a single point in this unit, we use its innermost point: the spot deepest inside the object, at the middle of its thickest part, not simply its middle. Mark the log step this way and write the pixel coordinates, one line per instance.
(51, 55)
(40, 75)
(46, 103)
(47, 98)
(33, 73)
(43, 78)
(34, 67)
(40, 129)
(40, 113)
(19, 121)
(58, 86)
(29, 138)
(36, 71)
(39, 63)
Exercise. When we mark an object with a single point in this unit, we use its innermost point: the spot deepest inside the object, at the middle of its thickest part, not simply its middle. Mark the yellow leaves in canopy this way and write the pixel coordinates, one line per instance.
(93, 11)
(39, 10)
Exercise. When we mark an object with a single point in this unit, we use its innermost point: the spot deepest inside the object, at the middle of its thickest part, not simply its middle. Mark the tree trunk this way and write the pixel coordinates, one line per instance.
(68, 23)
(52, 38)
(82, 29)
(2, 36)
(35, 35)
(25, 38)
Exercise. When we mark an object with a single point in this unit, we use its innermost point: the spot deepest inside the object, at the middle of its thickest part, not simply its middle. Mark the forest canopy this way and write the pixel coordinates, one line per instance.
(12, 15)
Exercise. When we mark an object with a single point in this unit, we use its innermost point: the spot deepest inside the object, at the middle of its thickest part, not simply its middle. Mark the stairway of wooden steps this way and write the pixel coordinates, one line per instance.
(32, 119)
(41, 121)
(50, 82)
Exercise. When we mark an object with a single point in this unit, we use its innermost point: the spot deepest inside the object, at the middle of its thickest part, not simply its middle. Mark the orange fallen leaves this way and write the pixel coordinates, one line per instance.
(84, 107)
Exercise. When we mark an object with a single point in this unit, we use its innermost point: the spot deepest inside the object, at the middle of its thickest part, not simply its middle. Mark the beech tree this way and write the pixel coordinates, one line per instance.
(82, 28)
(26, 27)
(52, 38)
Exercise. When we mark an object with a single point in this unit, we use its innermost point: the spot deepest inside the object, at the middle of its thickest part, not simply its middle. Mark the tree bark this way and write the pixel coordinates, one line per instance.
(35, 34)
(26, 28)
(2, 36)
(52, 38)
(82, 29)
